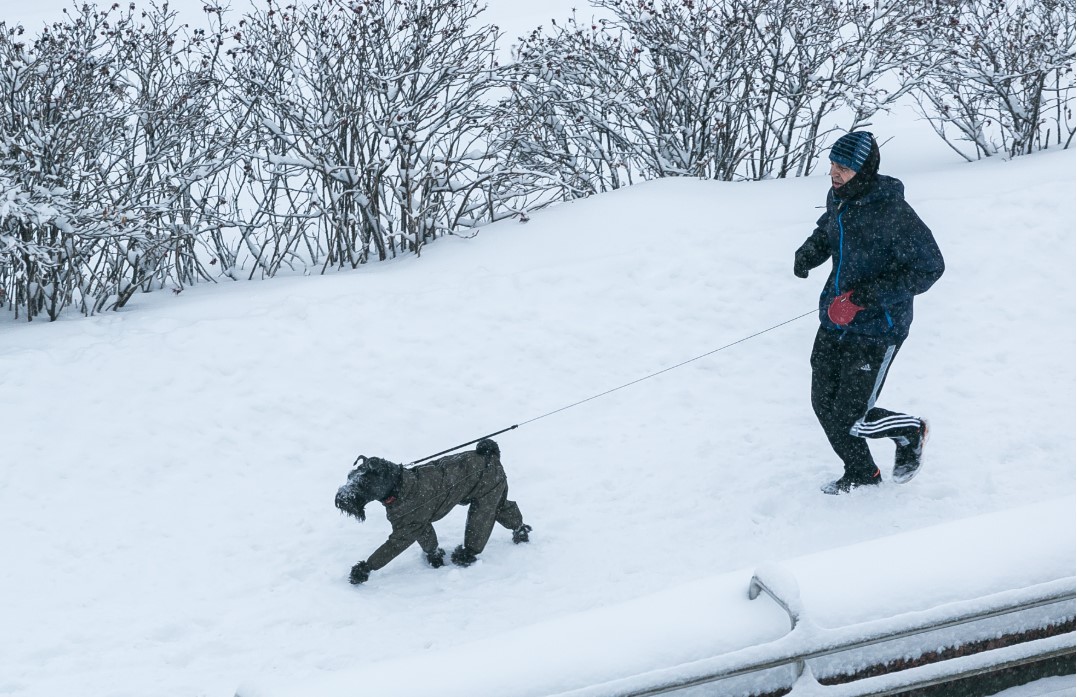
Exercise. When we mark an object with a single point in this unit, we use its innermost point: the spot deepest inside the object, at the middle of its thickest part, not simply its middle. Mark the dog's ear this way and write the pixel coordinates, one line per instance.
(380, 478)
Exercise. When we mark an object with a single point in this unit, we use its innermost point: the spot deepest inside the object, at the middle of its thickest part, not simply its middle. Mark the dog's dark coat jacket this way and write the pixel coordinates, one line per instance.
(427, 493)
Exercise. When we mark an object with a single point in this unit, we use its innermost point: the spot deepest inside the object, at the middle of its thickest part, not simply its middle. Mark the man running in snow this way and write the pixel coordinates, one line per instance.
(883, 255)
(416, 497)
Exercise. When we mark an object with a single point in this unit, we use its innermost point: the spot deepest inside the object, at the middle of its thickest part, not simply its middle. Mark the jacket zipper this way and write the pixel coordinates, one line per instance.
(841, 248)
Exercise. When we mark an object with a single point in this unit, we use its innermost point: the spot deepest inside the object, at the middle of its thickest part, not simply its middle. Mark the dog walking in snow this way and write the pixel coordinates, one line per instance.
(416, 497)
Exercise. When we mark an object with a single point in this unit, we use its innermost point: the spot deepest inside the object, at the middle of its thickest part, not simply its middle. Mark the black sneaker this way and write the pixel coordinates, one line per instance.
(910, 455)
(520, 534)
(462, 556)
(847, 483)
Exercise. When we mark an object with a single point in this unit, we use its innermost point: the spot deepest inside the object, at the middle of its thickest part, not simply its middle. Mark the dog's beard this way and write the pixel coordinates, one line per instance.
(347, 502)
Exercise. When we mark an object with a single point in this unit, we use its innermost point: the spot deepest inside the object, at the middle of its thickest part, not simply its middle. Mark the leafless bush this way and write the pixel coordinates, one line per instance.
(816, 60)
(694, 112)
(163, 169)
(372, 132)
(136, 153)
(61, 108)
(569, 95)
(1005, 81)
(650, 90)
(107, 137)
(721, 89)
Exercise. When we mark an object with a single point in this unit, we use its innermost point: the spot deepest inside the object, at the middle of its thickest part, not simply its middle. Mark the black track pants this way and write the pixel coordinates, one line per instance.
(848, 373)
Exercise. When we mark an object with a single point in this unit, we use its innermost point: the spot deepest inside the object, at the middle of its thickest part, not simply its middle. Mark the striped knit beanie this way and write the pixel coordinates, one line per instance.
(854, 149)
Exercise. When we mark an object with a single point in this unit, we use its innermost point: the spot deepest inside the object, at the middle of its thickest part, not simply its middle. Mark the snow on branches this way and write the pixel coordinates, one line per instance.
(138, 153)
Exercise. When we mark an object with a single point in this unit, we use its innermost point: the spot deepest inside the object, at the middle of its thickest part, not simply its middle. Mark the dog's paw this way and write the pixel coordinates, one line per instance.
(436, 558)
(360, 573)
(521, 534)
(462, 556)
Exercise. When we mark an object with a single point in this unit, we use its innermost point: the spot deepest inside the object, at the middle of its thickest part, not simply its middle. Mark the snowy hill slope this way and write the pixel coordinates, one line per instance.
(166, 489)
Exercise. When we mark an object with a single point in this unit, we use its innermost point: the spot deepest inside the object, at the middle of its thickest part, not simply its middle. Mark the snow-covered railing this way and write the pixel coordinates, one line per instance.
(807, 641)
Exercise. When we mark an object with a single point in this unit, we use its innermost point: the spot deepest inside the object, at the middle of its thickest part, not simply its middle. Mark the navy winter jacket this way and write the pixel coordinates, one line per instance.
(882, 252)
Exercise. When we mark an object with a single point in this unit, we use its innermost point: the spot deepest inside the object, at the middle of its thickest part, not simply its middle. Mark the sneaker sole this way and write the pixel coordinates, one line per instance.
(923, 442)
(831, 490)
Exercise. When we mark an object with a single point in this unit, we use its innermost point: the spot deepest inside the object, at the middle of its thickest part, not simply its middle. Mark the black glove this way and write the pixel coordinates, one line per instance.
(436, 558)
(360, 573)
(800, 265)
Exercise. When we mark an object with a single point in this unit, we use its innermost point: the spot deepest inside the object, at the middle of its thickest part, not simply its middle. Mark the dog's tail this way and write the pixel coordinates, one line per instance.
(488, 449)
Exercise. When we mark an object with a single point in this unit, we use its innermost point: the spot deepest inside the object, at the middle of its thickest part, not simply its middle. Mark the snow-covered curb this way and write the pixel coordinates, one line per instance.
(961, 560)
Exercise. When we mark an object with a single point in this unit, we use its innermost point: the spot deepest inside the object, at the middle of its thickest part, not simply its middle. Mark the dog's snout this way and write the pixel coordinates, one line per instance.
(348, 501)
(346, 495)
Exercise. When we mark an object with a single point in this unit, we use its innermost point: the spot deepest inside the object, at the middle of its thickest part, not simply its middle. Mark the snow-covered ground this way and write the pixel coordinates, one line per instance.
(697, 628)
(166, 484)
(168, 474)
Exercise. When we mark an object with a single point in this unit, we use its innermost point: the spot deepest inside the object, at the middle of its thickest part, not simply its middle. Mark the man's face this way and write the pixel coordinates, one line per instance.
(839, 175)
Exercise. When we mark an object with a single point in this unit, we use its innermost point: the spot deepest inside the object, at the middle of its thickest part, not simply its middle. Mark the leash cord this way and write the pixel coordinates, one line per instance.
(620, 387)
(449, 450)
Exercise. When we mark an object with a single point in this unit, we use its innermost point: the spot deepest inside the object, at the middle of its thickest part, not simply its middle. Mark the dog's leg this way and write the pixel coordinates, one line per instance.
(509, 515)
(480, 518)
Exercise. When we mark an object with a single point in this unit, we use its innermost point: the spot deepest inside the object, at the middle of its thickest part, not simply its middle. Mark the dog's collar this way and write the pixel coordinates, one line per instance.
(389, 501)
